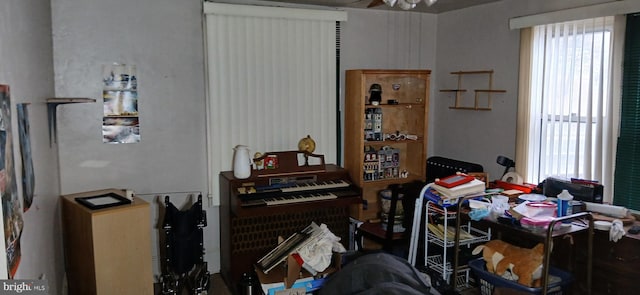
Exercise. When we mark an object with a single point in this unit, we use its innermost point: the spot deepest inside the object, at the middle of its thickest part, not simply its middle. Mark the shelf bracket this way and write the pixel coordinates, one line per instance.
(52, 106)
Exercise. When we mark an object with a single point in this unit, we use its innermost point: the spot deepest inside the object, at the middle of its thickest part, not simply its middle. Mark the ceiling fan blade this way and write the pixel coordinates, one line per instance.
(375, 3)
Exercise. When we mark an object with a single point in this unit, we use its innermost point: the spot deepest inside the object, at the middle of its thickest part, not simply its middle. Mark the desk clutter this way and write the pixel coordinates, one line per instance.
(532, 207)
(568, 206)
(535, 212)
(449, 196)
(529, 206)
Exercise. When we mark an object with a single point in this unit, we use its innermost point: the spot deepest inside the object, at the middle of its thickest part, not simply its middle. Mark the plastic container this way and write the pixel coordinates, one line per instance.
(559, 280)
(397, 224)
(563, 203)
(385, 202)
(537, 225)
(541, 209)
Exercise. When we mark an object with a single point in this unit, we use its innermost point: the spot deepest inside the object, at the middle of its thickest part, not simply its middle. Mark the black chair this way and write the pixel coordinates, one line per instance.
(184, 250)
(392, 242)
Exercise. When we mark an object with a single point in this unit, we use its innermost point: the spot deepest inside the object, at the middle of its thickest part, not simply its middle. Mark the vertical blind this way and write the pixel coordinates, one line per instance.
(272, 80)
(571, 102)
(627, 189)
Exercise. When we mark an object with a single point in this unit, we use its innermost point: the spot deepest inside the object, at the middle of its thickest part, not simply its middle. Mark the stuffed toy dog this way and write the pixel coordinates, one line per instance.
(512, 262)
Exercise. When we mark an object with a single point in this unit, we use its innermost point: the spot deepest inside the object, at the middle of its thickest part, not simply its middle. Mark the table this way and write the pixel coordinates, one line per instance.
(546, 238)
(107, 251)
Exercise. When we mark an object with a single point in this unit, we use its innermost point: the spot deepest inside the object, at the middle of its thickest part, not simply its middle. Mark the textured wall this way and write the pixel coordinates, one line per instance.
(164, 40)
(27, 67)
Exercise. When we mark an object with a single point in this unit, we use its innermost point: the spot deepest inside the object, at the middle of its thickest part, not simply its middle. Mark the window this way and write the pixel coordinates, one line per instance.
(272, 80)
(567, 115)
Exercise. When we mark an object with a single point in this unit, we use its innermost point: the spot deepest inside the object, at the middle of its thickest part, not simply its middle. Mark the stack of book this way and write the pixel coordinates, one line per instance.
(448, 196)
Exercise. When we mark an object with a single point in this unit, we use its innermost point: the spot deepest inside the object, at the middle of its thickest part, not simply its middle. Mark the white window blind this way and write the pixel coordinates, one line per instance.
(571, 110)
(271, 81)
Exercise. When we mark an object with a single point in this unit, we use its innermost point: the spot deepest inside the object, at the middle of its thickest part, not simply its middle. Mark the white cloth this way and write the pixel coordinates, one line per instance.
(617, 230)
(318, 254)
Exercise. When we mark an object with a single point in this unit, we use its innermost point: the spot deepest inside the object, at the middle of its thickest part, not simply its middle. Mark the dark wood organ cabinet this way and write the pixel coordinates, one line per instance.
(249, 230)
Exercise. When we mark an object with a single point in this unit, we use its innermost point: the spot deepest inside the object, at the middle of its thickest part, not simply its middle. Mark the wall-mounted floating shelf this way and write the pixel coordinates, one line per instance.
(52, 105)
(476, 105)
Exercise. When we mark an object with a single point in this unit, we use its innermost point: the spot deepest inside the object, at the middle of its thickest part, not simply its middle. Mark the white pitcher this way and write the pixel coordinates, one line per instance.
(242, 163)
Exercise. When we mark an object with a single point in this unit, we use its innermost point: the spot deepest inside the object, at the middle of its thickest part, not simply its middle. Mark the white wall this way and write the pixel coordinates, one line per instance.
(27, 67)
(164, 39)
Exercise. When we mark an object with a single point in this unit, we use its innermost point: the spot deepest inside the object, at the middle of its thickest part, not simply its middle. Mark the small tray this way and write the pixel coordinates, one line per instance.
(103, 201)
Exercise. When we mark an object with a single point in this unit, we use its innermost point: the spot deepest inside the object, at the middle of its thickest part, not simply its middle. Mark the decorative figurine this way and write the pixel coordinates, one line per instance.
(375, 94)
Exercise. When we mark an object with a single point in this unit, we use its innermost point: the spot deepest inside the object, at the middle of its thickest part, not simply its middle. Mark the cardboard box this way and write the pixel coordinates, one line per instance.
(290, 271)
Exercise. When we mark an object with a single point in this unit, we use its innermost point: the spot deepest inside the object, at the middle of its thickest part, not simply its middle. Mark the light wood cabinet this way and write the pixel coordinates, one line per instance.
(402, 133)
(107, 251)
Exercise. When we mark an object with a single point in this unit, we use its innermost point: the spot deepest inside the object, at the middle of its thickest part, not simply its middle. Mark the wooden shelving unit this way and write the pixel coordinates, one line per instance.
(476, 103)
(407, 114)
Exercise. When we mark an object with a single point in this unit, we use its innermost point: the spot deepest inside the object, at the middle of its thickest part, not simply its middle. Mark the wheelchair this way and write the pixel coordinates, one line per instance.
(184, 265)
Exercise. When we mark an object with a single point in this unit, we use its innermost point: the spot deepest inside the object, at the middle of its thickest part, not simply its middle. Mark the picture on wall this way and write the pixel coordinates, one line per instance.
(11, 204)
(120, 104)
(28, 177)
(120, 130)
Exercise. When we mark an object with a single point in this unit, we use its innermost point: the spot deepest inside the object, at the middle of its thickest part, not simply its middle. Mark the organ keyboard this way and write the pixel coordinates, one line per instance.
(315, 186)
(299, 198)
(293, 189)
(302, 192)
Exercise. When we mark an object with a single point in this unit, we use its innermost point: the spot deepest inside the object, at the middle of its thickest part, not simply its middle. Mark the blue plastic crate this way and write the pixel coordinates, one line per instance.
(559, 280)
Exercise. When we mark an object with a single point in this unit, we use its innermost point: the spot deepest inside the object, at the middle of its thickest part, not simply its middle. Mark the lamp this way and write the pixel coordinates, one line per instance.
(506, 162)
(407, 4)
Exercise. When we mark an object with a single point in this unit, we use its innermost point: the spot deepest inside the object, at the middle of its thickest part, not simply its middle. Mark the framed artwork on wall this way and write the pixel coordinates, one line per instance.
(120, 122)
(11, 204)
